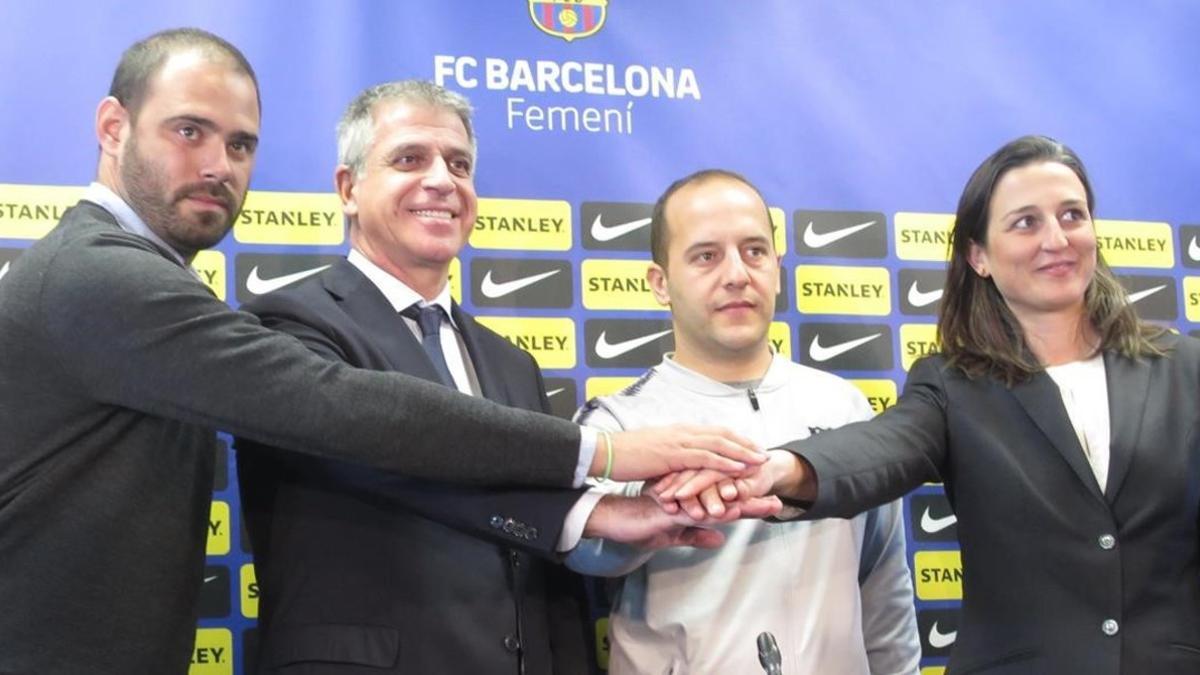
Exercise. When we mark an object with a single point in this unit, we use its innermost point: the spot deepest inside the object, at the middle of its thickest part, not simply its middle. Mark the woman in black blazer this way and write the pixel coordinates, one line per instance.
(1064, 429)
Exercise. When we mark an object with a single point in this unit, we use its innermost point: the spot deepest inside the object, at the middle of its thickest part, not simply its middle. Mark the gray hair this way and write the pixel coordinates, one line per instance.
(356, 129)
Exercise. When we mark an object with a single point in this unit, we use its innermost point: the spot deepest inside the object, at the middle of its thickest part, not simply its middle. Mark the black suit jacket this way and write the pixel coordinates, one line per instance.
(116, 367)
(359, 569)
(1048, 557)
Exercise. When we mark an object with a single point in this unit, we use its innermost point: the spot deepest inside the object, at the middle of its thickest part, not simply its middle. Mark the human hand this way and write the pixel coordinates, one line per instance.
(640, 521)
(656, 451)
(707, 493)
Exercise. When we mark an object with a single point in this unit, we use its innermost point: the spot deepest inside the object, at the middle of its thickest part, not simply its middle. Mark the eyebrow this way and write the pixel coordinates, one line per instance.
(1031, 207)
(209, 125)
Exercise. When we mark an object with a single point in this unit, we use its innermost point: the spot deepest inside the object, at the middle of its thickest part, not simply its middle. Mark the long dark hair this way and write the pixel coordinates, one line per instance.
(977, 331)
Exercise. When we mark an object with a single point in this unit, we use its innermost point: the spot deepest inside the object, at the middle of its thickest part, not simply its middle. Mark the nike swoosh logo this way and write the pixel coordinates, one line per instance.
(555, 391)
(815, 240)
(602, 232)
(259, 286)
(819, 352)
(919, 298)
(1141, 295)
(4, 270)
(495, 290)
(938, 639)
(1194, 250)
(611, 350)
(934, 525)
(208, 579)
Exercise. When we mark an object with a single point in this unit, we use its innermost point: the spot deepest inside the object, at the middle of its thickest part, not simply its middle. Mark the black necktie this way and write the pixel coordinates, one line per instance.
(429, 318)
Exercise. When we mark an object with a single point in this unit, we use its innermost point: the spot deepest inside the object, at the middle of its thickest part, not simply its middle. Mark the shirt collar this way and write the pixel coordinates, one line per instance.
(127, 218)
(398, 293)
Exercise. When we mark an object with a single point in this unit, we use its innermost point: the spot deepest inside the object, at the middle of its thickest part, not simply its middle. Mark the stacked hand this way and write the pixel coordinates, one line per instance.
(705, 476)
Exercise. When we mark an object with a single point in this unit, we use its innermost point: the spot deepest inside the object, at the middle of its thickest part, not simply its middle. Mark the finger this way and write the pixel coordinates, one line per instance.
(674, 481)
(724, 451)
(760, 507)
(714, 505)
(693, 508)
(669, 506)
(729, 491)
(731, 436)
(695, 485)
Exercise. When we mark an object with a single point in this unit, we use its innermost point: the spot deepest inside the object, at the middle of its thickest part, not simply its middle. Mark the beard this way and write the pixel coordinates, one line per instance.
(159, 206)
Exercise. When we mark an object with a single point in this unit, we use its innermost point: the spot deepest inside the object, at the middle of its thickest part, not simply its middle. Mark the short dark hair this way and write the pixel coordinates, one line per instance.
(658, 217)
(145, 57)
(976, 329)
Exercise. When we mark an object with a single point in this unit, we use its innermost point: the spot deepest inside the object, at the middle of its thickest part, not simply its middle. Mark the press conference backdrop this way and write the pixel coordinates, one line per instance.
(860, 122)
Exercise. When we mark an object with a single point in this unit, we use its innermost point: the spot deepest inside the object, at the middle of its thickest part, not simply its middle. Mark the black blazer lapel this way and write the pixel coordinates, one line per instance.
(385, 328)
(1128, 384)
(1043, 403)
(491, 385)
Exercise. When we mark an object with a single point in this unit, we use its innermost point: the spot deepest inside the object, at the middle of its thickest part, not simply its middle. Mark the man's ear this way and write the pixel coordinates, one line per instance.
(657, 276)
(112, 126)
(343, 183)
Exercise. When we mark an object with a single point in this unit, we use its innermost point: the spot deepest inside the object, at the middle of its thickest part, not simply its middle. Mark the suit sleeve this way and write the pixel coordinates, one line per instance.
(867, 464)
(529, 519)
(137, 331)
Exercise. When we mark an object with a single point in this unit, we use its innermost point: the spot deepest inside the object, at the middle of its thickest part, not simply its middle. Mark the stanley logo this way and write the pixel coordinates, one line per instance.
(617, 284)
(779, 334)
(218, 529)
(923, 236)
(249, 591)
(840, 234)
(845, 346)
(297, 218)
(938, 629)
(213, 652)
(916, 340)
(615, 226)
(826, 289)
(30, 211)
(1132, 243)
(1153, 297)
(881, 394)
(605, 386)
(523, 225)
(259, 274)
(563, 394)
(931, 518)
(521, 282)
(568, 19)
(920, 291)
(551, 341)
(627, 343)
(210, 267)
(1189, 245)
(938, 575)
(1191, 295)
(214, 592)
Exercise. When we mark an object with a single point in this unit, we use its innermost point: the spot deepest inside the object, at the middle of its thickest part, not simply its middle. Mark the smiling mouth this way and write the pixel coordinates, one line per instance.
(434, 213)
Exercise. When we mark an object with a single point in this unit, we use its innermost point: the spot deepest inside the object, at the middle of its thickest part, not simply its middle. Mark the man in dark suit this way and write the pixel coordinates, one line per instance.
(360, 570)
(118, 364)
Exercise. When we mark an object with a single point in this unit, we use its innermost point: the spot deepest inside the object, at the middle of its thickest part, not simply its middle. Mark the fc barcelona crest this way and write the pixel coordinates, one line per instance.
(568, 19)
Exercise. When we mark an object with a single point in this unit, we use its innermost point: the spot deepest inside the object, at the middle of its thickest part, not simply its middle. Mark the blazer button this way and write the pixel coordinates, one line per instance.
(1107, 541)
(531, 534)
(1110, 627)
(511, 643)
(496, 522)
(509, 525)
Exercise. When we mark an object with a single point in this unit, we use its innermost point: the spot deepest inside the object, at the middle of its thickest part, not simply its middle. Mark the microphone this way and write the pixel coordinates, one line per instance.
(768, 654)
